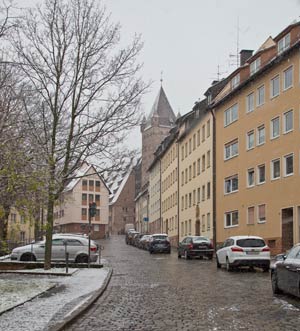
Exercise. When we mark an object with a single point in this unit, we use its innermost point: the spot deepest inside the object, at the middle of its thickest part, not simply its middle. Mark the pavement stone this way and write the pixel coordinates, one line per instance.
(161, 292)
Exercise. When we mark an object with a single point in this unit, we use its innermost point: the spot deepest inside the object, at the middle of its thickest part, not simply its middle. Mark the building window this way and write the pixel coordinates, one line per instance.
(208, 129)
(255, 66)
(208, 190)
(261, 95)
(22, 219)
(198, 166)
(198, 195)
(91, 197)
(203, 192)
(13, 218)
(194, 197)
(231, 115)
(186, 201)
(288, 78)
(288, 165)
(96, 227)
(231, 219)
(261, 173)
(235, 81)
(275, 127)
(186, 175)
(198, 137)
(284, 43)
(231, 149)
(203, 223)
(182, 178)
(208, 159)
(190, 146)
(250, 102)
(190, 172)
(84, 198)
(194, 141)
(275, 169)
(261, 135)
(22, 236)
(250, 140)
(250, 218)
(208, 221)
(288, 121)
(194, 169)
(203, 162)
(91, 185)
(250, 177)
(231, 184)
(182, 202)
(182, 152)
(262, 213)
(97, 184)
(186, 149)
(203, 133)
(275, 86)
(190, 200)
(83, 212)
(84, 184)
(97, 198)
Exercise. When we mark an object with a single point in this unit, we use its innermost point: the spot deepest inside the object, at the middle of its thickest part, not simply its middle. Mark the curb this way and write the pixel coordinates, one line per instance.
(82, 308)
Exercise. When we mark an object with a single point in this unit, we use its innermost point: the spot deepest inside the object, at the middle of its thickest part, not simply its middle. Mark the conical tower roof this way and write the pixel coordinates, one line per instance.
(162, 110)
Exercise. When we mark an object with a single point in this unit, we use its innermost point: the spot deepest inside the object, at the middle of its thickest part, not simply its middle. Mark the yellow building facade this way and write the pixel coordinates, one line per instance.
(258, 146)
(195, 173)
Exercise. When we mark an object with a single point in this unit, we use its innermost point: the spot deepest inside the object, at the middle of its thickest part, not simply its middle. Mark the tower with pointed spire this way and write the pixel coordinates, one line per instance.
(154, 129)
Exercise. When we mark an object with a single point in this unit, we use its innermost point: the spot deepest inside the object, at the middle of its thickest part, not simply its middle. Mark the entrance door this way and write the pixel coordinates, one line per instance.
(287, 223)
(197, 228)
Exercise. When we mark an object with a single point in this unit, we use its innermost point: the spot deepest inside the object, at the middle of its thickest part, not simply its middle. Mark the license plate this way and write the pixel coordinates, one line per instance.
(160, 246)
(252, 253)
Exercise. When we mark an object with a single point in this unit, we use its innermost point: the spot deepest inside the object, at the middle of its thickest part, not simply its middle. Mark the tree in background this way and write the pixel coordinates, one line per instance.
(84, 93)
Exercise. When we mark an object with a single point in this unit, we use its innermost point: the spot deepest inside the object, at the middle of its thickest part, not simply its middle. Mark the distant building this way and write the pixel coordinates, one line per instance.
(121, 203)
(20, 227)
(154, 129)
(72, 210)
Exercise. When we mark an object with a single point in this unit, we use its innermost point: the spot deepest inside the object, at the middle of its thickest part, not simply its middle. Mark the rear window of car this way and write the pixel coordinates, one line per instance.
(160, 237)
(197, 239)
(250, 242)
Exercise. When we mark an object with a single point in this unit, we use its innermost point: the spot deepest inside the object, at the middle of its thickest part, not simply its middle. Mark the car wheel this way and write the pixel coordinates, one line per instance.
(228, 266)
(201, 257)
(82, 259)
(150, 251)
(179, 256)
(210, 257)
(218, 263)
(186, 255)
(27, 257)
(275, 288)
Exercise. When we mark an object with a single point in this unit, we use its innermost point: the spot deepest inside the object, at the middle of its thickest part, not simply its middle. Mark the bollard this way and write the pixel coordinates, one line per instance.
(67, 262)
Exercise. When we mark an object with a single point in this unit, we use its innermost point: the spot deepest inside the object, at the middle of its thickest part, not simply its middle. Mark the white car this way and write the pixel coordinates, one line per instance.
(77, 247)
(241, 251)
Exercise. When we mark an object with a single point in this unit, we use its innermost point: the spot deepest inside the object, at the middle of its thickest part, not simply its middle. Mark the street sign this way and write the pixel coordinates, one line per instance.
(146, 219)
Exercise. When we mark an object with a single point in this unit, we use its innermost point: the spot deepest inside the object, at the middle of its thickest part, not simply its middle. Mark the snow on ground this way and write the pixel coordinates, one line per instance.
(15, 292)
(54, 304)
(55, 271)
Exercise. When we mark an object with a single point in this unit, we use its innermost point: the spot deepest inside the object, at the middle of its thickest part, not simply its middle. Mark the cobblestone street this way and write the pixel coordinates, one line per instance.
(162, 292)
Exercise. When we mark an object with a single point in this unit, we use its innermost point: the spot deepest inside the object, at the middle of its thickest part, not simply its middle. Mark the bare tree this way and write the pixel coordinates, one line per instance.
(86, 87)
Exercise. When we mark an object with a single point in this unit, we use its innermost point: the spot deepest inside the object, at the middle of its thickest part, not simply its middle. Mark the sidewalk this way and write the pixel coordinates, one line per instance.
(56, 299)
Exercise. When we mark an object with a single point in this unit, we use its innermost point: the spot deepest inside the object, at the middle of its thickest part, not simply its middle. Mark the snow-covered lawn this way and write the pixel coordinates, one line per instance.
(53, 305)
(15, 292)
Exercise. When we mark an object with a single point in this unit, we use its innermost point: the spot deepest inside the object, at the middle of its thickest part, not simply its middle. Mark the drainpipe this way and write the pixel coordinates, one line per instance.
(214, 182)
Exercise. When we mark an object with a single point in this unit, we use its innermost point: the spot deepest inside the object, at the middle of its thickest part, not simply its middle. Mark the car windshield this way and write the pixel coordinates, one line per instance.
(197, 239)
(160, 237)
(251, 242)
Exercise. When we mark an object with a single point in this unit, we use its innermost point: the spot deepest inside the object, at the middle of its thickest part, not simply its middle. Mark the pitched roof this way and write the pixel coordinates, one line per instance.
(162, 110)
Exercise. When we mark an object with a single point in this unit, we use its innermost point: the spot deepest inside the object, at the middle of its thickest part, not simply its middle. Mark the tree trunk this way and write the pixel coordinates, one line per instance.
(49, 230)
(4, 222)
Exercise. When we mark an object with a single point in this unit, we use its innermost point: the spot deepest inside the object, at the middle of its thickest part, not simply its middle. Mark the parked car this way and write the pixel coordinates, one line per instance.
(77, 246)
(136, 239)
(145, 241)
(285, 273)
(195, 246)
(159, 243)
(129, 236)
(241, 251)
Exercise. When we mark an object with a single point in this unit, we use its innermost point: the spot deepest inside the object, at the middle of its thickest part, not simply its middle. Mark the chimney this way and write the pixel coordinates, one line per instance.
(245, 54)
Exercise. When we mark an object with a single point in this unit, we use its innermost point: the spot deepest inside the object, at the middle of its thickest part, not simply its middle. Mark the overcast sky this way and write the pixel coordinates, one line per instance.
(188, 39)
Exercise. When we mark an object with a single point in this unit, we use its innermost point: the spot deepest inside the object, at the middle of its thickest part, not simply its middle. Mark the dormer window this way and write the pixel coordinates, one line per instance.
(255, 66)
(209, 99)
(235, 81)
(284, 43)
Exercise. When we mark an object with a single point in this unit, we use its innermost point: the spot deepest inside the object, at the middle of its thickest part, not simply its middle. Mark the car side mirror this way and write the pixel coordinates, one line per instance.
(280, 257)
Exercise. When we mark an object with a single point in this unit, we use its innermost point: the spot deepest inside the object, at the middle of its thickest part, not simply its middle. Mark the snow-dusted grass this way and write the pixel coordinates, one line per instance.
(69, 293)
(15, 292)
